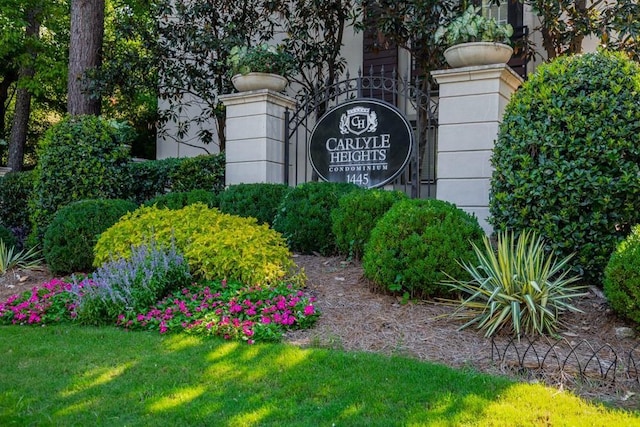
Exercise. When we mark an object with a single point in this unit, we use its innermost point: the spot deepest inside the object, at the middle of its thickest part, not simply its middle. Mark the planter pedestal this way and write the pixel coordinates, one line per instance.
(255, 128)
(471, 105)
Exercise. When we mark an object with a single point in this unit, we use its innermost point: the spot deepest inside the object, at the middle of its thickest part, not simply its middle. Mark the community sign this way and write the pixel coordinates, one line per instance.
(365, 141)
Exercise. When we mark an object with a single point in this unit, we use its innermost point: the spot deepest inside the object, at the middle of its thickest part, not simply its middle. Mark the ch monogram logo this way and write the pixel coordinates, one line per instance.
(358, 120)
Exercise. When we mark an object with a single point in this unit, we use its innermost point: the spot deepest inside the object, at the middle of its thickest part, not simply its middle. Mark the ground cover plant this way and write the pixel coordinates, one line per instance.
(77, 375)
(230, 310)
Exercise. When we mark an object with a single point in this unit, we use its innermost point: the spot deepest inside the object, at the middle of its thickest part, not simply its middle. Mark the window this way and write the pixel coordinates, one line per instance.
(499, 13)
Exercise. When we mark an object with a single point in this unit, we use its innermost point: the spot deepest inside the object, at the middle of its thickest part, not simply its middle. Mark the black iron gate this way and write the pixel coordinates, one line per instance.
(412, 98)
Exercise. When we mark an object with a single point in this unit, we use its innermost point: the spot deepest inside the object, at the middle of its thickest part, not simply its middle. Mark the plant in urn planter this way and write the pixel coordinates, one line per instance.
(475, 40)
(259, 67)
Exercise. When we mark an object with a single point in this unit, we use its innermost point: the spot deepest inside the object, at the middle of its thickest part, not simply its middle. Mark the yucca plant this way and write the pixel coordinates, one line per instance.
(10, 259)
(518, 287)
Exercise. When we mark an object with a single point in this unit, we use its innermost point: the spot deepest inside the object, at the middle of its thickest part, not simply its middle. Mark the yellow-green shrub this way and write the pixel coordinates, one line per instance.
(216, 245)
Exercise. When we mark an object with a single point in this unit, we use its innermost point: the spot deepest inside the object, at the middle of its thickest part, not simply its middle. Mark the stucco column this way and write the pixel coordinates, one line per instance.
(471, 105)
(255, 136)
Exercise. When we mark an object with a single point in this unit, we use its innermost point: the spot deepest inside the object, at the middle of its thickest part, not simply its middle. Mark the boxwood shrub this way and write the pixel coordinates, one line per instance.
(304, 217)
(622, 277)
(567, 158)
(356, 215)
(74, 231)
(416, 242)
(260, 200)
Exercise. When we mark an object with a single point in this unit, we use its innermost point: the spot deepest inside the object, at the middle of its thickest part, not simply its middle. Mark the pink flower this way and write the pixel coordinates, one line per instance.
(265, 320)
(309, 310)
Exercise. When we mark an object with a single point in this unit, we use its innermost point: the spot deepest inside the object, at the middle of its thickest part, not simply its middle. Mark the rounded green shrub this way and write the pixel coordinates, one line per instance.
(567, 158)
(215, 245)
(180, 199)
(417, 243)
(260, 200)
(78, 158)
(357, 214)
(622, 277)
(304, 217)
(8, 237)
(74, 231)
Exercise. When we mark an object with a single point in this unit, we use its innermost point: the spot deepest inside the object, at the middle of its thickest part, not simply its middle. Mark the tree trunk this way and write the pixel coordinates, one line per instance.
(85, 54)
(9, 78)
(22, 111)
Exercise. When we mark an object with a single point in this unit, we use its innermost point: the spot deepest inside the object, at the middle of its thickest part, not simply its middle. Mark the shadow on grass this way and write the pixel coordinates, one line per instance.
(81, 376)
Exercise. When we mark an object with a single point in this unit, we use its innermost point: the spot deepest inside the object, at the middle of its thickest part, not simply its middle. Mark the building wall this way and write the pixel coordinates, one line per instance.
(353, 51)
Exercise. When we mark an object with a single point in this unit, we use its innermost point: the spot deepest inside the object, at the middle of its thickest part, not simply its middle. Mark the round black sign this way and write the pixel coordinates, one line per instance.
(366, 142)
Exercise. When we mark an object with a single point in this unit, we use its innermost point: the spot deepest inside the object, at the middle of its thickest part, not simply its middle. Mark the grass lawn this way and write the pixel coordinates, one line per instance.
(70, 375)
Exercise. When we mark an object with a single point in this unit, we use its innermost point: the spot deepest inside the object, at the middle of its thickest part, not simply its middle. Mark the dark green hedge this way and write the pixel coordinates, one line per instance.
(304, 217)
(260, 200)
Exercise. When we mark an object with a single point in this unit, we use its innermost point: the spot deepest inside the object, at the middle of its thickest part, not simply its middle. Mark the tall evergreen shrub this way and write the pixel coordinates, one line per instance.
(567, 158)
(79, 158)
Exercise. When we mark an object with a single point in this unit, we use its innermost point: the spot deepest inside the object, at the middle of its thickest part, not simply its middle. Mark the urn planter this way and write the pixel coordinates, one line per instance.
(256, 81)
(477, 53)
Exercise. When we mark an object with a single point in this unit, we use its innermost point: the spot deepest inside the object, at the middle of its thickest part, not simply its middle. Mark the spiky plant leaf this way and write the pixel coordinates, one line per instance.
(25, 259)
(517, 287)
